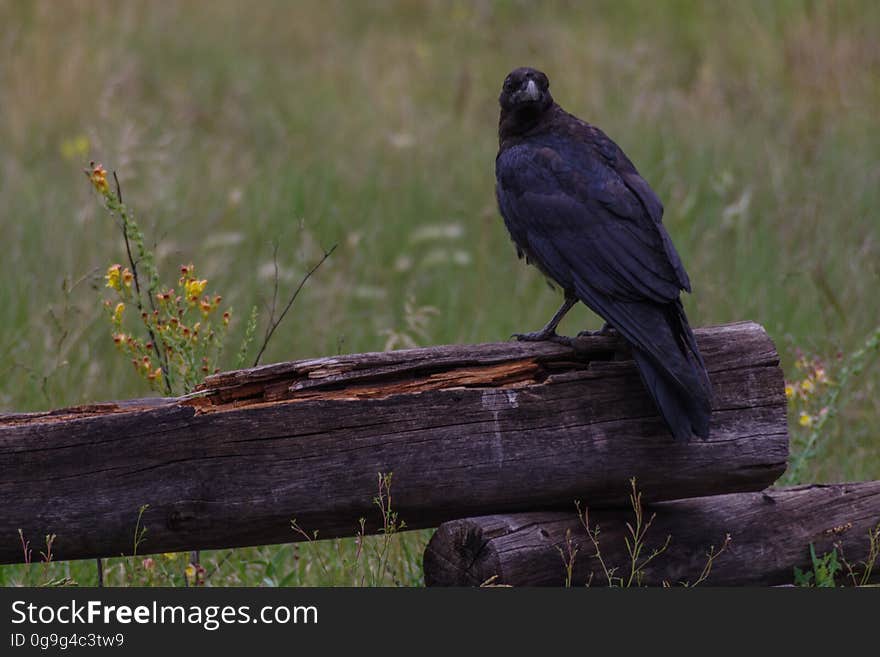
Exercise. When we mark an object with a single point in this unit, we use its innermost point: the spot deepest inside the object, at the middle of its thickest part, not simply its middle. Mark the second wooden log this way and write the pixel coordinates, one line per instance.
(770, 533)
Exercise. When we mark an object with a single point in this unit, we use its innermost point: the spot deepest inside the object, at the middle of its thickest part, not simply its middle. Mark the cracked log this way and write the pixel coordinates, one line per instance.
(770, 534)
(466, 430)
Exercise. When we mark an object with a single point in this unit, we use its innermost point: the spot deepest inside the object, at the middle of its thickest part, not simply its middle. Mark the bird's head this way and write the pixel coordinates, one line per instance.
(525, 89)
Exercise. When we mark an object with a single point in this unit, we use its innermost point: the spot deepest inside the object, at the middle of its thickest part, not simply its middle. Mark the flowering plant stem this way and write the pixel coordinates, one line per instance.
(176, 342)
(116, 206)
(853, 366)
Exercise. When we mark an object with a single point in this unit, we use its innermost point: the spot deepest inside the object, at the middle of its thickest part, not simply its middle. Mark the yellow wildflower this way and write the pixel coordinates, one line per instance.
(113, 276)
(805, 419)
(194, 289)
(127, 277)
(820, 375)
(789, 391)
(807, 386)
(117, 312)
(190, 571)
(170, 556)
(98, 175)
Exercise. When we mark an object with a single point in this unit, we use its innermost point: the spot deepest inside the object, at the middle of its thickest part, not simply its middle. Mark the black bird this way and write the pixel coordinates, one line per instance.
(577, 208)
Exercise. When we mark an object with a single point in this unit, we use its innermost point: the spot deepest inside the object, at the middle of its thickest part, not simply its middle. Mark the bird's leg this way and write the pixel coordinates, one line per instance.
(606, 329)
(549, 331)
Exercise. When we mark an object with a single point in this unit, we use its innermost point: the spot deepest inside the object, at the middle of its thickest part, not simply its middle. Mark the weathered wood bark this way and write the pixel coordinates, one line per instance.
(466, 430)
(770, 534)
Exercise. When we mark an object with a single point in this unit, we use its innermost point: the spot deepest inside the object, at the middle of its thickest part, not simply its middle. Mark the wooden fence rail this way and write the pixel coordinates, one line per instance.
(770, 533)
(466, 430)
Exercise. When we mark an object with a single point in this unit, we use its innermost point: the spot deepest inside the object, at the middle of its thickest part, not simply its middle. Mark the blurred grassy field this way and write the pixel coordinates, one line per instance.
(234, 125)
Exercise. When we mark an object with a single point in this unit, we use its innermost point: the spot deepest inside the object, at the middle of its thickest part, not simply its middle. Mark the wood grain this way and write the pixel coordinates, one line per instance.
(466, 430)
(770, 534)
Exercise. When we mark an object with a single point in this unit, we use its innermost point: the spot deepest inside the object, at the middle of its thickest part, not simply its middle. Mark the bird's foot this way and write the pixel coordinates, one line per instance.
(545, 336)
(564, 340)
(606, 330)
(536, 336)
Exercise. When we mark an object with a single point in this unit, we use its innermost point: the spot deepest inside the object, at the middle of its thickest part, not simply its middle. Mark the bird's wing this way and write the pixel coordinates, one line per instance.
(580, 218)
(593, 229)
(621, 164)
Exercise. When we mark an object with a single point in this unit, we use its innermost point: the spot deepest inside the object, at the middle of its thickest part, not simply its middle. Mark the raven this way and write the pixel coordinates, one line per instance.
(577, 209)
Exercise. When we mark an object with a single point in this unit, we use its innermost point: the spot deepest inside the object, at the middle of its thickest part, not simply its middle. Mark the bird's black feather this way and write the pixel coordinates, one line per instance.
(578, 209)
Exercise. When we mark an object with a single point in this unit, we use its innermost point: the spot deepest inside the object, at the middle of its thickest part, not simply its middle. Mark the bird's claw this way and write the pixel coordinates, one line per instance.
(545, 336)
(564, 340)
(535, 336)
(606, 330)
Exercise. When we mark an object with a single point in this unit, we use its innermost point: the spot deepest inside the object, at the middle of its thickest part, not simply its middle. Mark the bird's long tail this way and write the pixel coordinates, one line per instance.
(685, 413)
(667, 357)
(675, 375)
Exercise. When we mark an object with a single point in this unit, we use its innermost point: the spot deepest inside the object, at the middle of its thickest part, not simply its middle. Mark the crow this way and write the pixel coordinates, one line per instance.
(578, 210)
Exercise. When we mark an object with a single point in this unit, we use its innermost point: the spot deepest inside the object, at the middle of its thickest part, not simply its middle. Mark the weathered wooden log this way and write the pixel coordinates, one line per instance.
(466, 430)
(770, 533)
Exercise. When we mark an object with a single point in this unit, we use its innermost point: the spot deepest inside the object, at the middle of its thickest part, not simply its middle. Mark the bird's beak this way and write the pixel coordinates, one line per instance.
(531, 92)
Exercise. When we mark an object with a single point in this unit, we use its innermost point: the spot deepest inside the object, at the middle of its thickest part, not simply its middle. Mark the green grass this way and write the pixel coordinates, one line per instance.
(234, 126)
